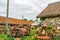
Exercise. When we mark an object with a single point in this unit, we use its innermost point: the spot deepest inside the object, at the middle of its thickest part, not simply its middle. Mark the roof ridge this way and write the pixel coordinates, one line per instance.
(54, 3)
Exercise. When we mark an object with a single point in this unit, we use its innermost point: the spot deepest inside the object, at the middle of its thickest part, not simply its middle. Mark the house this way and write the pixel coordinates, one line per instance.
(13, 21)
(51, 14)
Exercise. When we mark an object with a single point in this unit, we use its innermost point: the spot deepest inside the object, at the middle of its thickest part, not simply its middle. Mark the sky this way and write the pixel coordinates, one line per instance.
(29, 9)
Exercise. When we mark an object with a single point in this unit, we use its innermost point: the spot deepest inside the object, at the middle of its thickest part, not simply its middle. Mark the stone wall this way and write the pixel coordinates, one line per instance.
(52, 21)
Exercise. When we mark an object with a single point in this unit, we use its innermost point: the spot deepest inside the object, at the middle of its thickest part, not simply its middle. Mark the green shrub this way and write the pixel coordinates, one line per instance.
(48, 29)
(42, 18)
(26, 38)
(10, 38)
(32, 30)
(3, 36)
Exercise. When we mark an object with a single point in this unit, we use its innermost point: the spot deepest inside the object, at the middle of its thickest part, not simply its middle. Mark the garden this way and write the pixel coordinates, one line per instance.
(34, 34)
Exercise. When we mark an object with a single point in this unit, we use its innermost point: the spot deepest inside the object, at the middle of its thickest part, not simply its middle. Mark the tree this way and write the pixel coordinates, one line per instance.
(25, 19)
(36, 20)
(31, 20)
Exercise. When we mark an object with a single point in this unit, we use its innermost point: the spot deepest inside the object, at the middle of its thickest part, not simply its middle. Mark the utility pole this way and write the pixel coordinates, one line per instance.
(7, 12)
(22, 16)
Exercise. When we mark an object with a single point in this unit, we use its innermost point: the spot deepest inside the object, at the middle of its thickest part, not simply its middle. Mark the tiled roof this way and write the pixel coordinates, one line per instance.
(13, 21)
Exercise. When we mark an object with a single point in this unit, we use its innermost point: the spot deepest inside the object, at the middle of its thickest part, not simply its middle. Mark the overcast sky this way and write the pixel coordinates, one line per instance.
(29, 9)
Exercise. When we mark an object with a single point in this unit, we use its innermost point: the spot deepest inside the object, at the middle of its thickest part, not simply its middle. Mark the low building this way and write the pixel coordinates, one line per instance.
(13, 21)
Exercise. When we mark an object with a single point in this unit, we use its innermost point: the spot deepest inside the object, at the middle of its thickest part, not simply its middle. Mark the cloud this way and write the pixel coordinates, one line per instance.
(22, 1)
(28, 8)
(2, 7)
